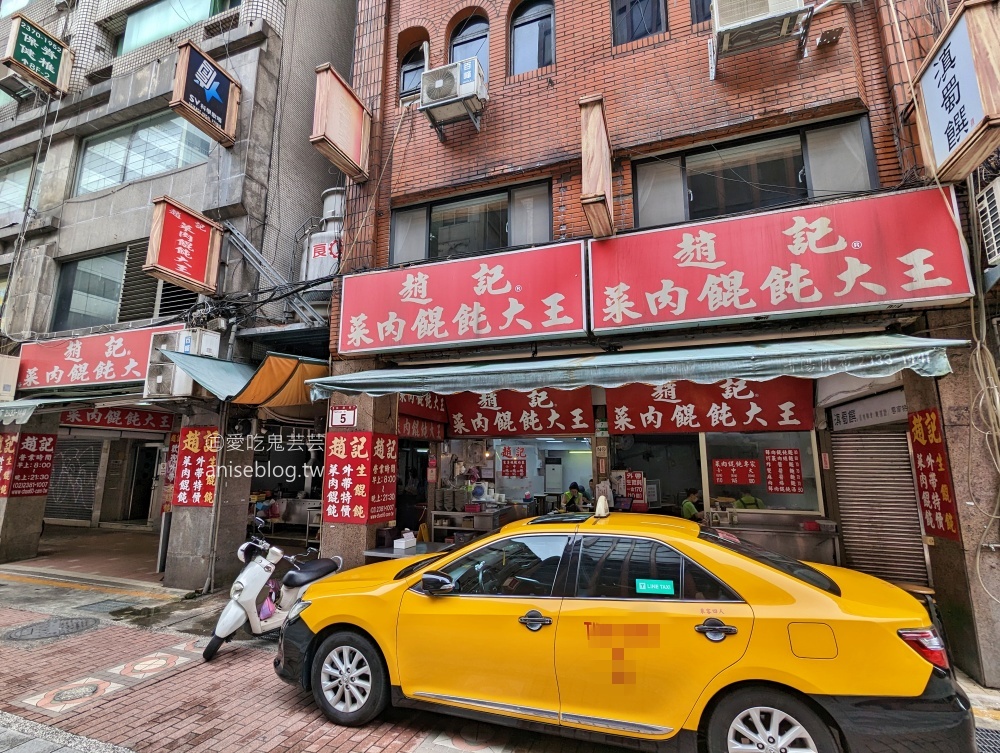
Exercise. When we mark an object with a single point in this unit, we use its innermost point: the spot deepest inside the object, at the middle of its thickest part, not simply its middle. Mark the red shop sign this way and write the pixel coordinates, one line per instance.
(106, 358)
(132, 419)
(935, 490)
(784, 471)
(8, 454)
(506, 413)
(195, 471)
(432, 407)
(736, 471)
(417, 428)
(519, 295)
(359, 481)
(33, 466)
(183, 247)
(782, 404)
(854, 254)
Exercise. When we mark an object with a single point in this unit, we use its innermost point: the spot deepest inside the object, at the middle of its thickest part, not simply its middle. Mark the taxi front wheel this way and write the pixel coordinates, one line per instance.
(768, 721)
(349, 680)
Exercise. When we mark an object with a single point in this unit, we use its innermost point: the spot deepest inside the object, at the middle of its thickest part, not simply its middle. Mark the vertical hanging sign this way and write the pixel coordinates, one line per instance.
(183, 247)
(195, 474)
(359, 481)
(935, 490)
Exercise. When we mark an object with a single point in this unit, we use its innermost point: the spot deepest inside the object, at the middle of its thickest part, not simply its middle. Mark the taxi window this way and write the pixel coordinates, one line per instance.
(618, 567)
(518, 566)
(798, 570)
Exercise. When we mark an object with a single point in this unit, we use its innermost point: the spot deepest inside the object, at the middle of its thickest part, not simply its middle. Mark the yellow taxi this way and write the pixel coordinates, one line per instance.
(633, 629)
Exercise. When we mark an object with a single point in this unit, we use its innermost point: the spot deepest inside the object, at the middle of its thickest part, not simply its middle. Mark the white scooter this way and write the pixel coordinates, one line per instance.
(261, 558)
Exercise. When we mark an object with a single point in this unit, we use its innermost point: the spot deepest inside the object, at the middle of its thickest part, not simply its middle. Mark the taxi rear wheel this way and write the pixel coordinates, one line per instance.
(769, 721)
(349, 680)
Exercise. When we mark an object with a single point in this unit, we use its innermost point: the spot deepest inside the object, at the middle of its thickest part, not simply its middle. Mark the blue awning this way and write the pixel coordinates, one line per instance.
(222, 378)
(865, 356)
(277, 383)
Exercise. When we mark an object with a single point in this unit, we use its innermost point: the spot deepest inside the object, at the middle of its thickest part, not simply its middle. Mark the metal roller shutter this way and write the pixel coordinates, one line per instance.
(73, 486)
(879, 511)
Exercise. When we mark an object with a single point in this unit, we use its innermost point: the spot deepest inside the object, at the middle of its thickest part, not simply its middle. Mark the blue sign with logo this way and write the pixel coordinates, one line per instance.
(468, 70)
(207, 89)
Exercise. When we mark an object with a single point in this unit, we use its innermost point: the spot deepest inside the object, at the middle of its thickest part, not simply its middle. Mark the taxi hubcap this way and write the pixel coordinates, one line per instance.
(346, 679)
(766, 730)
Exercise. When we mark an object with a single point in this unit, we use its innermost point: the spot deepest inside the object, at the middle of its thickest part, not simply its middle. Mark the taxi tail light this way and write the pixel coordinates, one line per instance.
(927, 643)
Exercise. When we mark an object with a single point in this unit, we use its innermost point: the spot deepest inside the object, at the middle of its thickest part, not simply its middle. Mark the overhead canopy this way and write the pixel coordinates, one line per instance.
(868, 356)
(278, 382)
(19, 411)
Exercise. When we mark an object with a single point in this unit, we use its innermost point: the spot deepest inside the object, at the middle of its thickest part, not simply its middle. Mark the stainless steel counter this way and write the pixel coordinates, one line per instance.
(296, 510)
(811, 546)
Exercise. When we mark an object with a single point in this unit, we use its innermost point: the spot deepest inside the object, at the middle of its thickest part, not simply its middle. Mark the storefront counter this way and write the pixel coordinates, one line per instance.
(297, 510)
(809, 546)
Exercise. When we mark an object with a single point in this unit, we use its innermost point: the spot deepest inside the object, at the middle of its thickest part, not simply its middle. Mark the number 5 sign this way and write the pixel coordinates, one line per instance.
(343, 416)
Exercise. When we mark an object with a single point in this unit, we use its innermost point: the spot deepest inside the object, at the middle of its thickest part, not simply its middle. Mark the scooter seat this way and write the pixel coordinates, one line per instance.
(309, 571)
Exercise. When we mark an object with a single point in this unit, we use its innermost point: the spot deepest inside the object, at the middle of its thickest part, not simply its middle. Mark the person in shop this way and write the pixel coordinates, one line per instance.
(746, 501)
(691, 506)
(572, 498)
(593, 491)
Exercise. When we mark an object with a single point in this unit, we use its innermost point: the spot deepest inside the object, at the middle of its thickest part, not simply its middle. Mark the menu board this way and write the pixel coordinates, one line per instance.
(359, 484)
(33, 465)
(783, 468)
(736, 471)
(196, 466)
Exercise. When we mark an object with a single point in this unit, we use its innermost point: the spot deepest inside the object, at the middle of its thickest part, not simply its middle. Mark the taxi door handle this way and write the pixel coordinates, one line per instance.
(715, 630)
(534, 620)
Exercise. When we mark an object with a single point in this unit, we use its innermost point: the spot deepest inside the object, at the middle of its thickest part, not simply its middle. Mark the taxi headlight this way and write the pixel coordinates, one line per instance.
(236, 591)
(297, 608)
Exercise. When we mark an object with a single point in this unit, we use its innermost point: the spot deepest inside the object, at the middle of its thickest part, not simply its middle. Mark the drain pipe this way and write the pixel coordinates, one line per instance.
(223, 423)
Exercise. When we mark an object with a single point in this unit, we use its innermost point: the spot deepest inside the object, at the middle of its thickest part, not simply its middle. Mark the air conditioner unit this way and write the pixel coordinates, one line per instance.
(743, 25)
(989, 219)
(164, 378)
(453, 93)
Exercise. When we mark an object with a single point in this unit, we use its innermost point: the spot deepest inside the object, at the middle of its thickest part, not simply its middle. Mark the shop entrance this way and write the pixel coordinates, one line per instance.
(143, 481)
(411, 483)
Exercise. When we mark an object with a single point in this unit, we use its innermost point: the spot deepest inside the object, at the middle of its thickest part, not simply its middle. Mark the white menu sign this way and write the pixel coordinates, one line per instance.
(870, 411)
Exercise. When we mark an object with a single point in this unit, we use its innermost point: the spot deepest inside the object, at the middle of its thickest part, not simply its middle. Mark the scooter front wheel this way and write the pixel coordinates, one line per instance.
(212, 648)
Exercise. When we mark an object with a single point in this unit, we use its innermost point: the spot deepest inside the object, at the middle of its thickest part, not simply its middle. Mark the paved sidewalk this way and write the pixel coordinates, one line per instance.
(19, 735)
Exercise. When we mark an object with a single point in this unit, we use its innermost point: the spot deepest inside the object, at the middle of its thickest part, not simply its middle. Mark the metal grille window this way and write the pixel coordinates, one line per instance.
(531, 36)
(410, 71)
(73, 486)
(14, 186)
(111, 289)
(520, 216)
(163, 18)
(147, 147)
(636, 19)
(472, 40)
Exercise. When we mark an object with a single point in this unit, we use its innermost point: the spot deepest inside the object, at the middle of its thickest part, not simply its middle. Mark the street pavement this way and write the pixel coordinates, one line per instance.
(89, 667)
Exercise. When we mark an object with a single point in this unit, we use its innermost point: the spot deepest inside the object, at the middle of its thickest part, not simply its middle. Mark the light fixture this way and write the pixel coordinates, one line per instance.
(423, 450)
(579, 452)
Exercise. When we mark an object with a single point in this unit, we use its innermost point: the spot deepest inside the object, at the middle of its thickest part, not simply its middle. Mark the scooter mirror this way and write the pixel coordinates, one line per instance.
(259, 523)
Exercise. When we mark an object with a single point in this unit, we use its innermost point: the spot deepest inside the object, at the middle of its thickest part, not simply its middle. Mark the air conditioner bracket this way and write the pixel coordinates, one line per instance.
(438, 125)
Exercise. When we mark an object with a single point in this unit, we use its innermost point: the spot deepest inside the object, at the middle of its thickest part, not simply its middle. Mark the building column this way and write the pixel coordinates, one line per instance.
(970, 615)
(21, 517)
(193, 530)
(375, 414)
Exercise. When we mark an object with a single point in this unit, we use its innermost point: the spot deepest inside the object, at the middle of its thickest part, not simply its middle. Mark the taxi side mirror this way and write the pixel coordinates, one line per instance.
(435, 583)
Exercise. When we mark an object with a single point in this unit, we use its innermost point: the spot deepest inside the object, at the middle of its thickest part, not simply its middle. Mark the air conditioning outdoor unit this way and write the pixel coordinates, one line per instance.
(453, 93)
(166, 379)
(742, 25)
(989, 219)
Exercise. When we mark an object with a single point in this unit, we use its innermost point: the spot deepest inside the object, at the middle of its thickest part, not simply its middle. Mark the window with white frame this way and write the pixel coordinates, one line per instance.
(161, 19)
(112, 288)
(153, 145)
(811, 164)
(513, 217)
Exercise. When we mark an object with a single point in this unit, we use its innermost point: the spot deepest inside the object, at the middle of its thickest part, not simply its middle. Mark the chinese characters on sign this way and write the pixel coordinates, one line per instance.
(8, 454)
(359, 483)
(118, 418)
(782, 404)
(951, 95)
(41, 58)
(418, 428)
(33, 466)
(514, 461)
(869, 411)
(506, 413)
(520, 295)
(432, 407)
(342, 416)
(106, 358)
(183, 247)
(170, 473)
(821, 258)
(196, 466)
(205, 95)
(635, 486)
(736, 471)
(783, 469)
(935, 491)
